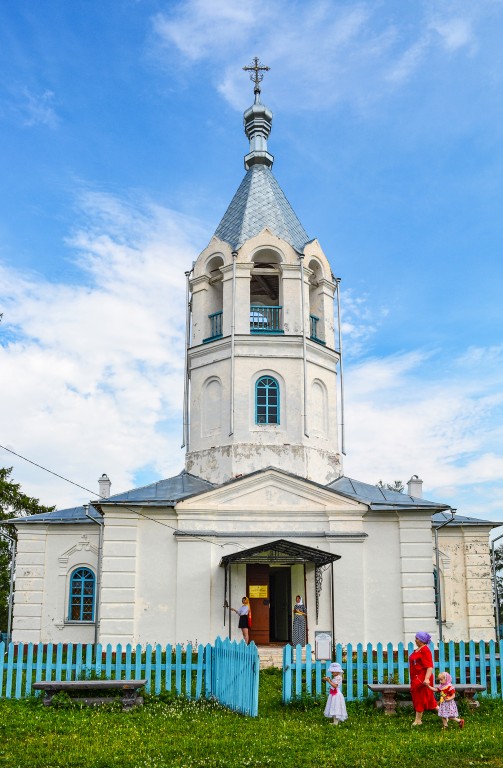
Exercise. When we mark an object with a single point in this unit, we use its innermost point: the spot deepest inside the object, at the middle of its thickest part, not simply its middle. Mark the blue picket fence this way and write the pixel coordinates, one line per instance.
(226, 671)
(470, 662)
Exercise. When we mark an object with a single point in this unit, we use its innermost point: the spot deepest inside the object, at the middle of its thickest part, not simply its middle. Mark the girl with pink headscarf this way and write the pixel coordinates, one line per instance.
(447, 708)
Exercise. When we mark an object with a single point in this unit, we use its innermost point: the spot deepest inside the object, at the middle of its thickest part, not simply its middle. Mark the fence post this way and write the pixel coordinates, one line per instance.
(309, 670)
(349, 672)
(148, 667)
(483, 666)
(287, 674)
(158, 669)
(29, 670)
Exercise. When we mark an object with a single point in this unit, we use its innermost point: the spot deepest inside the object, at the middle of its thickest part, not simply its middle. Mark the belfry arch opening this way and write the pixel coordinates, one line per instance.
(316, 307)
(266, 310)
(215, 298)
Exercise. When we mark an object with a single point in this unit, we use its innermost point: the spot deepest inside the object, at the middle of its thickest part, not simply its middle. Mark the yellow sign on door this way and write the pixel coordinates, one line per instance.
(258, 590)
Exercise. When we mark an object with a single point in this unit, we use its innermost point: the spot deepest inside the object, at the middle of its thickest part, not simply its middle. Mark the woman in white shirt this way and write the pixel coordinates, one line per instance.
(244, 614)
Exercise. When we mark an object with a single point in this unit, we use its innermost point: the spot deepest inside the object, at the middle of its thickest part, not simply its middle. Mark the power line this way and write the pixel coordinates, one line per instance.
(104, 498)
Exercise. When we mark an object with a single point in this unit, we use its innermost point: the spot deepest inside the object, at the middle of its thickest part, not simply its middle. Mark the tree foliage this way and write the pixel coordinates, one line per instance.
(396, 485)
(13, 503)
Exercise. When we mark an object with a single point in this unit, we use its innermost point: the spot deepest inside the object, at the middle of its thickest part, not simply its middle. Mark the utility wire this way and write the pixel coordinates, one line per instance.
(104, 498)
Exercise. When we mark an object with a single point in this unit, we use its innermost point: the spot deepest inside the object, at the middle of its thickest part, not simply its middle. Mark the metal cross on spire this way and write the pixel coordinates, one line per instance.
(256, 69)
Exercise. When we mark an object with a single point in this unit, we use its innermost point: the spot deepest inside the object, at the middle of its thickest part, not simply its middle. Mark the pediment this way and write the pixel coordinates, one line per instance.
(271, 490)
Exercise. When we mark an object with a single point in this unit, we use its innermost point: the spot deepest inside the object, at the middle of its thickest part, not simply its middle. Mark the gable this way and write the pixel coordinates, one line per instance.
(271, 490)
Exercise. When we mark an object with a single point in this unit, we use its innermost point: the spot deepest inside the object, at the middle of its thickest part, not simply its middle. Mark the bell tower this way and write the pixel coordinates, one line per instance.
(261, 358)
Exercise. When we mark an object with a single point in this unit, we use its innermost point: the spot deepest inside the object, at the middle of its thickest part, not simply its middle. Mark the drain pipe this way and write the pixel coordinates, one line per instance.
(185, 441)
(233, 342)
(439, 585)
(98, 572)
(304, 350)
(338, 294)
(495, 587)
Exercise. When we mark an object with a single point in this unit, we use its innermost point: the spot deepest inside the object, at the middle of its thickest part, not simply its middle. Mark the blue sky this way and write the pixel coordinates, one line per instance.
(122, 145)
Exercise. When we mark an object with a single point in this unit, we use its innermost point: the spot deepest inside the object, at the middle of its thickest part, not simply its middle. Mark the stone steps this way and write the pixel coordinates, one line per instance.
(272, 655)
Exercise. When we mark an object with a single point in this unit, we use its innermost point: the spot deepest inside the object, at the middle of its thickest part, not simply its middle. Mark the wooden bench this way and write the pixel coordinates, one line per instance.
(388, 692)
(128, 688)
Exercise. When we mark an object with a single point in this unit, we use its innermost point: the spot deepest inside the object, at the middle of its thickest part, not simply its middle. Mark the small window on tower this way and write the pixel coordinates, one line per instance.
(267, 401)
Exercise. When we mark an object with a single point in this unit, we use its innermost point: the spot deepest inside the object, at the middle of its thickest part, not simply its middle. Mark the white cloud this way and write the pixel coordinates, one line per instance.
(323, 51)
(408, 415)
(92, 375)
(38, 109)
(455, 33)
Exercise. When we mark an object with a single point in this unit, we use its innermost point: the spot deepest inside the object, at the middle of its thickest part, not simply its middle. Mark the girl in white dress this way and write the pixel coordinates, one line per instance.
(336, 704)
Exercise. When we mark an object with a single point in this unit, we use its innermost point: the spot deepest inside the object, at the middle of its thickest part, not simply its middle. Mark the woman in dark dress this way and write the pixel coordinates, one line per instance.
(299, 622)
(421, 677)
(244, 614)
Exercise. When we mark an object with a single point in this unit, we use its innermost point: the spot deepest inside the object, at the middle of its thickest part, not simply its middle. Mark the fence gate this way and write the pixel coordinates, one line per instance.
(235, 675)
(225, 671)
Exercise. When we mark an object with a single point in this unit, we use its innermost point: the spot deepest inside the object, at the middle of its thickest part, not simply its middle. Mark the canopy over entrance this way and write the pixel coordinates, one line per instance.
(281, 552)
(268, 570)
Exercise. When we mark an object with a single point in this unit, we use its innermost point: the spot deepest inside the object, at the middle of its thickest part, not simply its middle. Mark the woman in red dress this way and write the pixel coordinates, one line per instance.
(421, 676)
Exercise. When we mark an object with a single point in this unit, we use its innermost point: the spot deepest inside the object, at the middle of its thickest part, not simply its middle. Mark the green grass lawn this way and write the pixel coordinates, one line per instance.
(182, 733)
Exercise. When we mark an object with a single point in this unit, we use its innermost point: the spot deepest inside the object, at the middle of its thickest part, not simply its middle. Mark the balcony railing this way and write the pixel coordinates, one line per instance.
(266, 319)
(215, 327)
(314, 326)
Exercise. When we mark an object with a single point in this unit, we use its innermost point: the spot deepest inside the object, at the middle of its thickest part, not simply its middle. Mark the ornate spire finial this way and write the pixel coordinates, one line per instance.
(256, 70)
(257, 120)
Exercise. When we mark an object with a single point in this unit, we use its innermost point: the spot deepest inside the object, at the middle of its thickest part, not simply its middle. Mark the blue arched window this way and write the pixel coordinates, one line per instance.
(267, 401)
(82, 591)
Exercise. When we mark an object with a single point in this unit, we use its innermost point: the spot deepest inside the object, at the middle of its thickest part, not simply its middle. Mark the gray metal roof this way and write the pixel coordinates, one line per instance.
(59, 516)
(380, 498)
(280, 552)
(440, 517)
(259, 203)
(167, 491)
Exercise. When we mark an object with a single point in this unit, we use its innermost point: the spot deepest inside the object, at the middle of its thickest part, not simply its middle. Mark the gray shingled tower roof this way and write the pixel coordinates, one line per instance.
(259, 203)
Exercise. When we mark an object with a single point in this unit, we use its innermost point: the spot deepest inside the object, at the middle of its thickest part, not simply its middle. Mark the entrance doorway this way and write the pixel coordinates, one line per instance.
(280, 615)
(269, 591)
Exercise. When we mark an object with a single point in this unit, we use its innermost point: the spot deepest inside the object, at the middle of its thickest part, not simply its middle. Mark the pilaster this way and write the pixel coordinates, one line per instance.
(118, 577)
(478, 584)
(29, 593)
(416, 572)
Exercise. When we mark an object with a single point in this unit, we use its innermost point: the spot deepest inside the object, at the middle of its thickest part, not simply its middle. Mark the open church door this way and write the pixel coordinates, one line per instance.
(257, 589)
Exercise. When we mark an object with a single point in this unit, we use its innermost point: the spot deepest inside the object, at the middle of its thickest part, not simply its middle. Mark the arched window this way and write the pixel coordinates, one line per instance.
(267, 401)
(82, 590)
(212, 407)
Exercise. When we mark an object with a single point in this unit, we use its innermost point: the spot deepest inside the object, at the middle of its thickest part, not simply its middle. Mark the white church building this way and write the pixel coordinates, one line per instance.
(262, 507)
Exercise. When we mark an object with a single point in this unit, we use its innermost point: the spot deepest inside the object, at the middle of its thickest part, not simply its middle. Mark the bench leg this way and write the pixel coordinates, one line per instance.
(130, 700)
(472, 704)
(389, 702)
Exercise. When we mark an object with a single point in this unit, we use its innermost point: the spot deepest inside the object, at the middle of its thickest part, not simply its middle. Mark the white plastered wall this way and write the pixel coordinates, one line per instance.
(465, 570)
(46, 557)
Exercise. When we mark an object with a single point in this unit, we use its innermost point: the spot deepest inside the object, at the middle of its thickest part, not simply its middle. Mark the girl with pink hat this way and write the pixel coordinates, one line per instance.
(336, 704)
